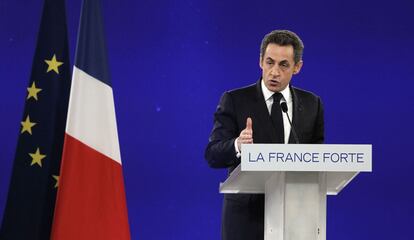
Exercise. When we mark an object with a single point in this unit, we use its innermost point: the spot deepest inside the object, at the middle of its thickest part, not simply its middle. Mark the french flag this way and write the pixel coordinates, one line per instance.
(91, 202)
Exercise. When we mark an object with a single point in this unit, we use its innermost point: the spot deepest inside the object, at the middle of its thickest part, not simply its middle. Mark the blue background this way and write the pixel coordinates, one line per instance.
(170, 62)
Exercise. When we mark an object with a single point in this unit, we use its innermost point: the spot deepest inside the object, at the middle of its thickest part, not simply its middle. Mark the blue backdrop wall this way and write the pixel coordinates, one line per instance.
(170, 62)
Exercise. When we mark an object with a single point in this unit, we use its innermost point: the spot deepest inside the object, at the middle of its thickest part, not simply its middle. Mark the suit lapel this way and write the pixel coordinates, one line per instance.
(297, 115)
(262, 115)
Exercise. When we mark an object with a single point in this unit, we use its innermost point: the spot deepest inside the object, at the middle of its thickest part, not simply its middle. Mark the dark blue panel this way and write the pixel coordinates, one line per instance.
(172, 60)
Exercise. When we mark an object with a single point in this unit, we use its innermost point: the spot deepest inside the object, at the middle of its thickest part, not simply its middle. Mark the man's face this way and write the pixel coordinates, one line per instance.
(278, 66)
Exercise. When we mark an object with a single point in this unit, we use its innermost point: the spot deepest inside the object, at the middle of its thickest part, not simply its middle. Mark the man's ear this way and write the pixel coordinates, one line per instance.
(260, 62)
(297, 67)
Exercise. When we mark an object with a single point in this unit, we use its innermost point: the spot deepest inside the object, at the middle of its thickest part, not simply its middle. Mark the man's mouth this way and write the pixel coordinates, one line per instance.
(274, 82)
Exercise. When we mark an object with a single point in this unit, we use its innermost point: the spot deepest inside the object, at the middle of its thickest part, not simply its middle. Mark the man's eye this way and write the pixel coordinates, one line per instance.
(270, 63)
(285, 65)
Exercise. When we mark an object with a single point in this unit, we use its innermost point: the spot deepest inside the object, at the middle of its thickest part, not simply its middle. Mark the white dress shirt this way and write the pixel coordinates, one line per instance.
(287, 97)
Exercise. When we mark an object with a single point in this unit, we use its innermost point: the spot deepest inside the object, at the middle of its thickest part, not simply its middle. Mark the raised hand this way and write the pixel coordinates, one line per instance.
(246, 135)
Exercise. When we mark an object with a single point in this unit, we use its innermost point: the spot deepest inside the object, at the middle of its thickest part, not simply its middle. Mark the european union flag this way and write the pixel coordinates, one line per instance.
(35, 178)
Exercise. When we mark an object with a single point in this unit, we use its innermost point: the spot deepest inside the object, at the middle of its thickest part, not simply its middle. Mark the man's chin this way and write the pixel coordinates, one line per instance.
(275, 88)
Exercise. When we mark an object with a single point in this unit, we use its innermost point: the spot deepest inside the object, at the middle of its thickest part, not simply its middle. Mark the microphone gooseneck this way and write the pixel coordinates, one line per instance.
(284, 107)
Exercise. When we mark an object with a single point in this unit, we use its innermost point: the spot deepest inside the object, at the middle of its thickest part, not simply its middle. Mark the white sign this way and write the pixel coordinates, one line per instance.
(307, 157)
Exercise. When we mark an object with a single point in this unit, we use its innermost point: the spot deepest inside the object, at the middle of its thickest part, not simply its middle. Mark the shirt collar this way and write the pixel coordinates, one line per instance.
(268, 94)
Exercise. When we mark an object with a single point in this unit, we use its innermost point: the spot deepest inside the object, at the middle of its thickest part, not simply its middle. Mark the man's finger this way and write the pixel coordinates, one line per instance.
(246, 132)
(244, 141)
(246, 135)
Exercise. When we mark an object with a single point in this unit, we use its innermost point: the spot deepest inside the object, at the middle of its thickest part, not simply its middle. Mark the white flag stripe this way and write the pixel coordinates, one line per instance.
(91, 115)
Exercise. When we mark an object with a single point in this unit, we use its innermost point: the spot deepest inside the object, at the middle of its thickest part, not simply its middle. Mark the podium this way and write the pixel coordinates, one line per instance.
(296, 179)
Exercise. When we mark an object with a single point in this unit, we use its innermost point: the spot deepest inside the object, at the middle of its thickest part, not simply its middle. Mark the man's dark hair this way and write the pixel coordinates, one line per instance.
(283, 38)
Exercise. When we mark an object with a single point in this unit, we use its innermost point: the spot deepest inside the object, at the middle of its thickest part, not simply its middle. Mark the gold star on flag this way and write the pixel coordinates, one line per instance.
(53, 64)
(56, 177)
(33, 91)
(27, 125)
(37, 158)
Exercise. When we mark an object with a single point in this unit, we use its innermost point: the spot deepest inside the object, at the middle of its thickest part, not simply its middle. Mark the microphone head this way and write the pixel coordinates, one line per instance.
(284, 107)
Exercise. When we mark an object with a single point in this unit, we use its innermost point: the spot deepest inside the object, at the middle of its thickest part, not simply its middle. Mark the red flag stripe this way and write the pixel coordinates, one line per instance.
(91, 196)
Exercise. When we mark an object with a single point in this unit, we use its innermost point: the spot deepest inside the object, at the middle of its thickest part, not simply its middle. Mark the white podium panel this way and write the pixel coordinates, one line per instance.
(253, 181)
(306, 157)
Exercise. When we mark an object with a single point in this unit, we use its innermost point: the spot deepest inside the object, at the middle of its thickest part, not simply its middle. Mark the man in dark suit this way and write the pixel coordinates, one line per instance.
(248, 115)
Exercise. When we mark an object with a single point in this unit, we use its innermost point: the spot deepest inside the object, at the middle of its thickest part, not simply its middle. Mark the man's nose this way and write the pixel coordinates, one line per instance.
(275, 70)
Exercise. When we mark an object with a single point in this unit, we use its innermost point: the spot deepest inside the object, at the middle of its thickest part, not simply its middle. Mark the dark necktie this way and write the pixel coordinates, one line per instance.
(277, 119)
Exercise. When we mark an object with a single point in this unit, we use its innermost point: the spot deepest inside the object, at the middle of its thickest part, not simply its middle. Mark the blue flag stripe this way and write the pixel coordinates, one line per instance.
(91, 54)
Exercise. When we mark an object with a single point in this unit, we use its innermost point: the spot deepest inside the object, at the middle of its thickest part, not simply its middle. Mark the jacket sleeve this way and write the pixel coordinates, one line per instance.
(319, 129)
(220, 151)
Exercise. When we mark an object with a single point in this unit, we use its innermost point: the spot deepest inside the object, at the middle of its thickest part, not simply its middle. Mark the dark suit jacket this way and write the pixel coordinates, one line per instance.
(243, 214)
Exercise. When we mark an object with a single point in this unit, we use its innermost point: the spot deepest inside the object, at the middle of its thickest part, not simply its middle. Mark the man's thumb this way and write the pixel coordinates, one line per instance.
(249, 123)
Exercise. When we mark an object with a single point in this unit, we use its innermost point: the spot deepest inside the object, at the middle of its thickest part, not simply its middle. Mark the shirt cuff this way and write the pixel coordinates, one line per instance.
(238, 153)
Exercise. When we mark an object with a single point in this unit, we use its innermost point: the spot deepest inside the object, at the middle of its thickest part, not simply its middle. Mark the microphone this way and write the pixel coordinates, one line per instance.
(284, 107)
